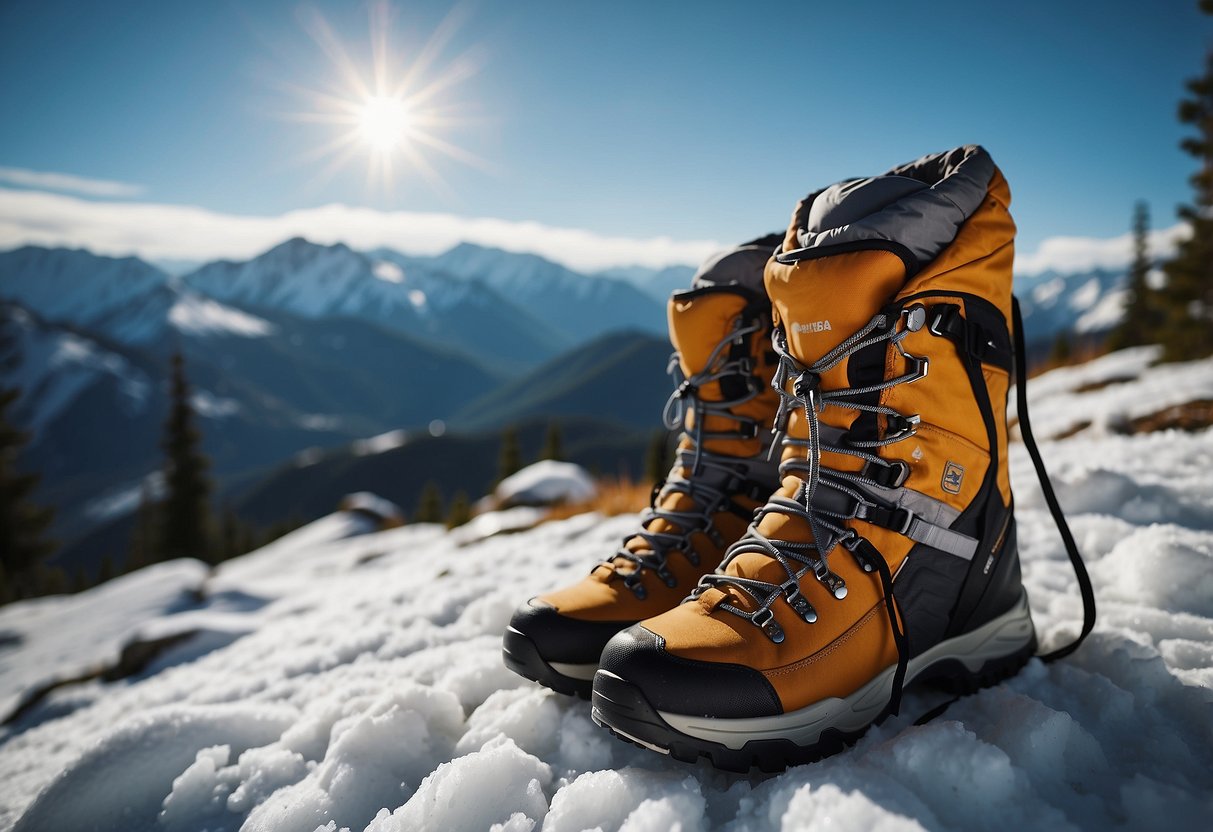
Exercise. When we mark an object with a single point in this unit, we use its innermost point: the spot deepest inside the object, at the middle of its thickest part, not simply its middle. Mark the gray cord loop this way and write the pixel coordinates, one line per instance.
(713, 478)
(857, 490)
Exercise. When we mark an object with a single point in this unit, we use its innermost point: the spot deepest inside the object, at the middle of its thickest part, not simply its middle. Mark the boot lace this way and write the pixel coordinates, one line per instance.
(714, 478)
(826, 518)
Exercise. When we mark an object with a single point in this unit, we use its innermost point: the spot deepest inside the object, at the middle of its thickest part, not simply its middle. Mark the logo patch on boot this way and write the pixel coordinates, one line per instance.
(953, 477)
(812, 326)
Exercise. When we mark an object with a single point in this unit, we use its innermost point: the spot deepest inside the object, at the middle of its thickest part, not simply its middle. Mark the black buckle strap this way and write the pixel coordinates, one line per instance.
(886, 474)
(970, 338)
(895, 519)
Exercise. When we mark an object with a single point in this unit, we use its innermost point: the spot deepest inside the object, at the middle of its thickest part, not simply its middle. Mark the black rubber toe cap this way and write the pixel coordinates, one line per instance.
(682, 686)
(559, 638)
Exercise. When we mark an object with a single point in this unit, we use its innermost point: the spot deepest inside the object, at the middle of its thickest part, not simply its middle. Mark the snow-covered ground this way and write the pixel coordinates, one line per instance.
(345, 678)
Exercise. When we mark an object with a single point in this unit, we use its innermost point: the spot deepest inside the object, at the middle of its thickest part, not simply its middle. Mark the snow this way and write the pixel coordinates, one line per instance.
(1132, 386)
(196, 315)
(1104, 314)
(206, 403)
(388, 271)
(379, 444)
(546, 482)
(358, 681)
(1086, 296)
(54, 367)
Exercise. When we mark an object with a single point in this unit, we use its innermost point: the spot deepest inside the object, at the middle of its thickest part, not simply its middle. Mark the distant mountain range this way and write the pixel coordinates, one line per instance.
(302, 346)
(313, 346)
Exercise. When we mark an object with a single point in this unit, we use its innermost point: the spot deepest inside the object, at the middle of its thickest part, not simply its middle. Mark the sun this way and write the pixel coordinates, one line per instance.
(384, 123)
(391, 108)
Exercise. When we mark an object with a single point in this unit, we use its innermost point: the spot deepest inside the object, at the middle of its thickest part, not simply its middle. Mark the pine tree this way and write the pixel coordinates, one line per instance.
(658, 458)
(553, 443)
(460, 512)
(1142, 322)
(145, 539)
(1187, 330)
(429, 506)
(509, 458)
(185, 512)
(105, 571)
(23, 524)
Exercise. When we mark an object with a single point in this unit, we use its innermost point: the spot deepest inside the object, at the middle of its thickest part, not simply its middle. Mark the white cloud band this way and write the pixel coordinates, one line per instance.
(1081, 254)
(177, 232)
(186, 233)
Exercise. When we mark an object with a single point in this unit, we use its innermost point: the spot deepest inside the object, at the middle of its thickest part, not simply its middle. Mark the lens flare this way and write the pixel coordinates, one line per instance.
(393, 110)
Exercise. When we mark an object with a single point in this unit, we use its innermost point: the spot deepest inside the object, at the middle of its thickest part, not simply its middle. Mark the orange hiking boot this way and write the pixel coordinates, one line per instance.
(724, 403)
(888, 554)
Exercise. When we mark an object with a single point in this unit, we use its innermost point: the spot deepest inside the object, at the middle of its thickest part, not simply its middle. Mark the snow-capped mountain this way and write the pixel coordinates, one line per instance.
(53, 366)
(124, 299)
(96, 407)
(348, 677)
(314, 281)
(74, 285)
(1081, 303)
(579, 306)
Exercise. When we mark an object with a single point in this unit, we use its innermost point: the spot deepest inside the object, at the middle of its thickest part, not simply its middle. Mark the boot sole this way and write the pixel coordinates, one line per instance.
(522, 656)
(980, 658)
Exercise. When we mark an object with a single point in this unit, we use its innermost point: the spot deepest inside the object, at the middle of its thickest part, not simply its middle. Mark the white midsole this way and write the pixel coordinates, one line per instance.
(1001, 637)
(584, 672)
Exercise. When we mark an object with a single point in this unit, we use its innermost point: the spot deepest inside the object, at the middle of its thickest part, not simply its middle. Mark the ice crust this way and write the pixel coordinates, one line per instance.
(343, 678)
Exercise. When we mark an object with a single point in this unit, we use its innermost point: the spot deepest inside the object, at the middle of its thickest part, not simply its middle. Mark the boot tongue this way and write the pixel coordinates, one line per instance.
(821, 302)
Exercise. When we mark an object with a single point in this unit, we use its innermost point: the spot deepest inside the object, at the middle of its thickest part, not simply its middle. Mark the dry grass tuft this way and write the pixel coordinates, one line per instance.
(615, 496)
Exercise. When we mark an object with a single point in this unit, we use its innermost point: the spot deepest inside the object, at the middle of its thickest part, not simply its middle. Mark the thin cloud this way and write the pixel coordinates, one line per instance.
(184, 233)
(1080, 254)
(48, 181)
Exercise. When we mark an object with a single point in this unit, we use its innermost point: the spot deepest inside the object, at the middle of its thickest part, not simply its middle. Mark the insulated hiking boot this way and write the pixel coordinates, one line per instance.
(888, 554)
(723, 403)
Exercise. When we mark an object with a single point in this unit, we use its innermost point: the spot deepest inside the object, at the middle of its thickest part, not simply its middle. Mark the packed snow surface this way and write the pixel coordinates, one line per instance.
(347, 678)
(544, 483)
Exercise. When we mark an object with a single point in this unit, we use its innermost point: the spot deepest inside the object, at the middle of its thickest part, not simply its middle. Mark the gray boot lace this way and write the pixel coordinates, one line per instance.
(826, 513)
(714, 478)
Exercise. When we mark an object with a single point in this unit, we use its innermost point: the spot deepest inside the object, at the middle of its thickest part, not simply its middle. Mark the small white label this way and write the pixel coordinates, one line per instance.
(812, 326)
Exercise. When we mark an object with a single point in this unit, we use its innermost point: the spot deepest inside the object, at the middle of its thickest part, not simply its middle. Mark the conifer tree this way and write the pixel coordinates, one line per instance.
(509, 458)
(553, 443)
(185, 512)
(144, 543)
(1188, 297)
(23, 524)
(460, 511)
(429, 506)
(1142, 322)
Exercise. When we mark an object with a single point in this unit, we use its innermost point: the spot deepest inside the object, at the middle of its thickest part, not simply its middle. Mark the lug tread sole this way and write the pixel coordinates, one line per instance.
(621, 708)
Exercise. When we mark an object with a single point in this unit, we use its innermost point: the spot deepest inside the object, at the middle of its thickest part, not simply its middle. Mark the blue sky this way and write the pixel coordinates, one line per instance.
(633, 120)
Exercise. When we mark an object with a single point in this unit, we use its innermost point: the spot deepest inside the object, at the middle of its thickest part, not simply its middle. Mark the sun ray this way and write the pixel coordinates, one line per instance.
(396, 114)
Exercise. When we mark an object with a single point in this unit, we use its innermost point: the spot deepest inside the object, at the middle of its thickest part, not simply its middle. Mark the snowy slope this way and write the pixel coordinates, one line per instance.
(360, 685)
(54, 366)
